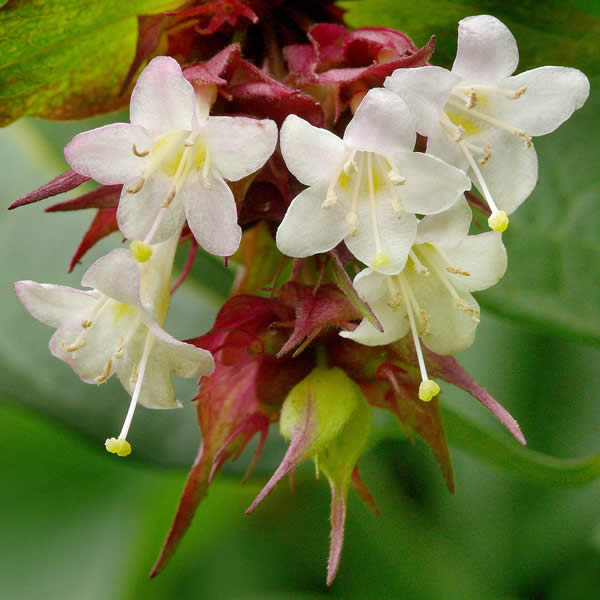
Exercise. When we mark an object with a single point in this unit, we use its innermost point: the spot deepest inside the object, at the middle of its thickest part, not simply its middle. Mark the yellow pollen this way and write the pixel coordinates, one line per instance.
(498, 221)
(380, 260)
(140, 251)
(428, 390)
(118, 446)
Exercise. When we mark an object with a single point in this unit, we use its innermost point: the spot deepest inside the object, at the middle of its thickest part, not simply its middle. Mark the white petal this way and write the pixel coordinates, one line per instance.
(162, 99)
(450, 329)
(487, 50)
(212, 216)
(371, 286)
(394, 322)
(431, 185)
(396, 234)
(106, 154)
(312, 154)
(483, 256)
(441, 145)
(448, 228)
(307, 228)
(117, 275)
(95, 358)
(382, 123)
(55, 305)
(511, 172)
(239, 146)
(425, 90)
(183, 359)
(137, 212)
(553, 95)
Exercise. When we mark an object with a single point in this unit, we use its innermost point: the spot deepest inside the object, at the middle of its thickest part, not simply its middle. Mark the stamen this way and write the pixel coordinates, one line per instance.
(120, 445)
(395, 201)
(137, 187)
(138, 153)
(473, 99)
(498, 220)
(170, 196)
(486, 151)
(140, 251)
(352, 222)
(350, 166)
(380, 259)
(428, 388)
(456, 271)
(76, 345)
(330, 199)
(85, 323)
(352, 216)
(500, 124)
(105, 374)
(419, 266)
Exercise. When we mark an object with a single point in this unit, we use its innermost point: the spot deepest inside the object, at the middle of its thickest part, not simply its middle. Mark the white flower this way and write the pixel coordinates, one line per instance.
(174, 159)
(117, 328)
(480, 119)
(431, 297)
(364, 189)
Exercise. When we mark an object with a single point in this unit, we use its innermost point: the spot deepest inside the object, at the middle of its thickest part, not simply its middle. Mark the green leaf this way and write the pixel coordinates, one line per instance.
(65, 59)
(549, 32)
(503, 452)
(552, 240)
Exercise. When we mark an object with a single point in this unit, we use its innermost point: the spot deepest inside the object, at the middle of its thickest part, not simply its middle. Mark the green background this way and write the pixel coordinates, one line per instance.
(78, 523)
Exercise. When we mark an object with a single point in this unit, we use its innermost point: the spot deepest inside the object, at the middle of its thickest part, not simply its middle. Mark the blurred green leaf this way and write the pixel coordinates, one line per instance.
(65, 59)
(549, 32)
(503, 452)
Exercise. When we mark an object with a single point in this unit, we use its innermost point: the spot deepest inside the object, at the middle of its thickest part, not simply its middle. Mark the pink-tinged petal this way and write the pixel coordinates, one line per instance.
(425, 90)
(552, 95)
(55, 305)
(448, 228)
(138, 212)
(431, 185)
(117, 275)
(511, 171)
(482, 256)
(312, 154)
(162, 99)
(63, 183)
(382, 123)
(396, 234)
(239, 146)
(308, 228)
(338, 519)
(212, 216)
(487, 50)
(106, 154)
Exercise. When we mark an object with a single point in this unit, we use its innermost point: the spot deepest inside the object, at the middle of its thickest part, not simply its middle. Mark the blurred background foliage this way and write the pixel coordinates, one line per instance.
(79, 524)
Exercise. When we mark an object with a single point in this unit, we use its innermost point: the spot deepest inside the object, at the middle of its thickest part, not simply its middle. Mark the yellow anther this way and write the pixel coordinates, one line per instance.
(140, 251)
(86, 323)
(118, 446)
(396, 178)
(138, 185)
(352, 222)
(330, 199)
(428, 390)
(473, 99)
(498, 221)
(380, 260)
(140, 153)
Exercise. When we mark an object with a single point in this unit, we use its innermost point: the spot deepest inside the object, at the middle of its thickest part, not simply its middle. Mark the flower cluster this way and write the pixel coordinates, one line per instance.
(319, 170)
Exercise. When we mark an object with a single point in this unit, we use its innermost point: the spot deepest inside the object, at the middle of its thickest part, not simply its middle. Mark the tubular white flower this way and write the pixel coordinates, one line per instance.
(117, 328)
(173, 158)
(364, 189)
(480, 118)
(431, 297)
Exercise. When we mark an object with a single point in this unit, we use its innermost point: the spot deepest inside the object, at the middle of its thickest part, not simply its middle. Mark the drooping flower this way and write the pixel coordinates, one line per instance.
(480, 118)
(365, 188)
(174, 159)
(431, 297)
(327, 419)
(117, 328)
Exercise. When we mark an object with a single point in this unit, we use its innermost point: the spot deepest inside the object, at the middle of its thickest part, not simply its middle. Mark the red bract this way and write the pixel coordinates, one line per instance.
(339, 67)
(212, 16)
(239, 400)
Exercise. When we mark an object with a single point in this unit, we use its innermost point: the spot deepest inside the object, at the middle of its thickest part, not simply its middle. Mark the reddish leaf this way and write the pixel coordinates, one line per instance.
(63, 183)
